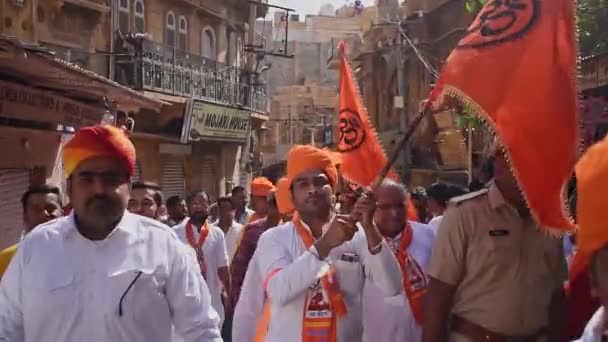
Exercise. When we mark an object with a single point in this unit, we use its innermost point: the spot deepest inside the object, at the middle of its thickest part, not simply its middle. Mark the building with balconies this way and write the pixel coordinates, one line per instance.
(190, 55)
(54, 64)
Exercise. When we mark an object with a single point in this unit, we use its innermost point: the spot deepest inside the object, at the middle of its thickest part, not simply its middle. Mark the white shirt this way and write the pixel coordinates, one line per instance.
(434, 223)
(594, 329)
(282, 249)
(215, 256)
(232, 237)
(244, 218)
(63, 287)
(250, 306)
(389, 319)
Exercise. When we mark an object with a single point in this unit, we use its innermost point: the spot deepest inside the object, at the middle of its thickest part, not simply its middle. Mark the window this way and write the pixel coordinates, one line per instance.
(140, 16)
(183, 33)
(123, 16)
(170, 29)
(208, 43)
(234, 49)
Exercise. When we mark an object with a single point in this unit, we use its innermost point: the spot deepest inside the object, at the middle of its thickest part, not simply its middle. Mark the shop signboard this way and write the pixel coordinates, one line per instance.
(25, 103)
(207, 121)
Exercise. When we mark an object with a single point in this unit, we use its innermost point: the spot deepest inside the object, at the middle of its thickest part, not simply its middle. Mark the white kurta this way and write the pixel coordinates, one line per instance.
(390, 319)
(594, 329)
(63, 287)
(282, 249)
(232, 238)
(215, 256)
(250, 306)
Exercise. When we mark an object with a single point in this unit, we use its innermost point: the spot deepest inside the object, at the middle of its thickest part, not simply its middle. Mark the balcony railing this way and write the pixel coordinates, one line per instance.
(165, 69)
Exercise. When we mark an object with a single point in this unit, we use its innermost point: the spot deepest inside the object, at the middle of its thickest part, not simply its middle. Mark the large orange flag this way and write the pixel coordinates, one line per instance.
(516, 67)
(362, 155)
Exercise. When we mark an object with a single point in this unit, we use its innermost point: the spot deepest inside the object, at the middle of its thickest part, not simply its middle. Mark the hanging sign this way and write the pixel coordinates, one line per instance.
(213, 122)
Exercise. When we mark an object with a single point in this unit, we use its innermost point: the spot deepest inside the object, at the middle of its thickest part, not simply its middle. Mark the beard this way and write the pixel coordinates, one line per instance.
(103, 208)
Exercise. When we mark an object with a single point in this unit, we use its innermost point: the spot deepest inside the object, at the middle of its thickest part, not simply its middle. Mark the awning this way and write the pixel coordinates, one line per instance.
(36, 66)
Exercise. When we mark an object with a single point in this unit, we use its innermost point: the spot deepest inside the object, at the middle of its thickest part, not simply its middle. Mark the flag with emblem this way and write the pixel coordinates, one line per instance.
(362, 155)
(516, 68)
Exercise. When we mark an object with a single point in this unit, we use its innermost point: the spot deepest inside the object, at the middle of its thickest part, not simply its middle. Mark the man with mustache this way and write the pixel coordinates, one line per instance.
(208, 242)
(102, 273)
(313, 267)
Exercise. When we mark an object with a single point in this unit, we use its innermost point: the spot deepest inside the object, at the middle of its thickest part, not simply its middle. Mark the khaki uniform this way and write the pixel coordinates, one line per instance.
(504, 268)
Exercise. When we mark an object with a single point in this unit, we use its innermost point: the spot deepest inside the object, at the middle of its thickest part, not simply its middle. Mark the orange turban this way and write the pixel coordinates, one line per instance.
(261, 187)
(303, 158)
(284, 202)
(98, 141)
(592, 186)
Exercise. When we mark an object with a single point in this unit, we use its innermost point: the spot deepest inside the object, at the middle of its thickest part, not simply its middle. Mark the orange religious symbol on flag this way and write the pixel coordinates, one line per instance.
(362, 155)
(516, 68)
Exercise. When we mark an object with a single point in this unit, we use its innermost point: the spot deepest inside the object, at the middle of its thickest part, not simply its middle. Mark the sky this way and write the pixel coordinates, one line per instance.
(304, 7)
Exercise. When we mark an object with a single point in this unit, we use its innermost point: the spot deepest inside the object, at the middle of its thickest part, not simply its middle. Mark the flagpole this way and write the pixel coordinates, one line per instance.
(402, 143)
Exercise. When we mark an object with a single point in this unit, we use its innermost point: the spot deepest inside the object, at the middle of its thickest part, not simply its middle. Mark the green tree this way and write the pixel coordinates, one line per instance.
(592, 26)
(592, 16)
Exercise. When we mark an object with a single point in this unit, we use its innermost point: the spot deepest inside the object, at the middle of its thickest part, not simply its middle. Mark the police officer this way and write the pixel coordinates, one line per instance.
(495, 276)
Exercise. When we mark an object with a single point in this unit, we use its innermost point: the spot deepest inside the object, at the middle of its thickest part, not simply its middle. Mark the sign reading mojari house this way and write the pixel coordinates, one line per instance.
(212, 122)
(20, 102)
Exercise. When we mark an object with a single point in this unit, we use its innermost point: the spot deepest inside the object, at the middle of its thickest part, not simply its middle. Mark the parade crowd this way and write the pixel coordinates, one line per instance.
(298, 261)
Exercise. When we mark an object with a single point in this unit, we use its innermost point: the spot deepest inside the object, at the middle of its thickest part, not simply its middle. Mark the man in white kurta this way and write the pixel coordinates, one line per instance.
(233, 230)
(103, 274)
(391, 319)
(212, 251)
(294, 274)
(250, 306)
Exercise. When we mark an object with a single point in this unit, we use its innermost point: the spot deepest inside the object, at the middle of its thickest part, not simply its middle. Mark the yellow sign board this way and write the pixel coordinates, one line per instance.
(214, 122)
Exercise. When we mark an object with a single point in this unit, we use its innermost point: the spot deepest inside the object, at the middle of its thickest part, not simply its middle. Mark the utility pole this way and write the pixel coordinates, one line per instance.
(400, 106)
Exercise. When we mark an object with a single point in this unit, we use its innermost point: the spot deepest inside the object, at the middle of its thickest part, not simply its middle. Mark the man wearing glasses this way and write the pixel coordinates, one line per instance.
(103, 274)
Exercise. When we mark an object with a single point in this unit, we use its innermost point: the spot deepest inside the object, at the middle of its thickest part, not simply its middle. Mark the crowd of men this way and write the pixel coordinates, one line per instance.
(297, 262)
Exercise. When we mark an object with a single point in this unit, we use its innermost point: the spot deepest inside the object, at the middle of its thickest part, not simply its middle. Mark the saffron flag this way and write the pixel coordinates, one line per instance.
(362, 155)
(516, 67)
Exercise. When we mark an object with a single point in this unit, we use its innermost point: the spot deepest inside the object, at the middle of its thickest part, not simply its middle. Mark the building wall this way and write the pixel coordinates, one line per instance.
(75, 32)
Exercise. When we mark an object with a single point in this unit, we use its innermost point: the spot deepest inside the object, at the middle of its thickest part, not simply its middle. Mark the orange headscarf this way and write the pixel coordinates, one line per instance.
(303, 158)
(99, 141)
(261, 187)
(592, 185)
(283, 196)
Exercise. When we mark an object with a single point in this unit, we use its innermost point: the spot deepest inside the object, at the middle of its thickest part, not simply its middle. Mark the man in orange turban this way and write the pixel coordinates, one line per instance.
(260, 188)
(284, 203)
(98, 247)
(306, 304)
(592, 239)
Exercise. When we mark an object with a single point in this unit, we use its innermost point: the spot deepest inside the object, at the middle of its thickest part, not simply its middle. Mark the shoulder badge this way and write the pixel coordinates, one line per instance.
(461, 199)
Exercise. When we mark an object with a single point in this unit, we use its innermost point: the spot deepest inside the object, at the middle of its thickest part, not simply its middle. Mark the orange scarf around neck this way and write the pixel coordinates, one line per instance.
(198, 244)
(414, 281)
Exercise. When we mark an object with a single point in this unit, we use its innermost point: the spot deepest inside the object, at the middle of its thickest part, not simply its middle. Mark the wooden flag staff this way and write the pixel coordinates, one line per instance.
(401, 145)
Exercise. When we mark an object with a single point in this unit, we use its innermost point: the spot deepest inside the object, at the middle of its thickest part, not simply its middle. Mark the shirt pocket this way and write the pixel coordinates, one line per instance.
(135, 294)
(350, 277)
(501, 247)
(59, 292)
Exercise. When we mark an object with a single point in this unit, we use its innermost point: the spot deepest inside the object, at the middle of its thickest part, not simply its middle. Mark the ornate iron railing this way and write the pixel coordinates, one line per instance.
(165, 69)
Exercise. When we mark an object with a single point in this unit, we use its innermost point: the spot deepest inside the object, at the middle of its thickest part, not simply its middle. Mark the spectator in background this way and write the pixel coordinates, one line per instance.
(232, 229)
(40, 204)
(239, 200)
(176, 210)
(419, 199)
(146, 200)
(260, 188)
(439, 194)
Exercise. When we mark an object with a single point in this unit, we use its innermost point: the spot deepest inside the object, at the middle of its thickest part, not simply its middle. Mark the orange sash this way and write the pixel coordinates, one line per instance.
(197, 244)
(319, 322)
(414, 281)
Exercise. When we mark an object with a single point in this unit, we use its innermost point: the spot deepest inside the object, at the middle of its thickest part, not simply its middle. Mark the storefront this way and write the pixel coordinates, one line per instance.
(42, 102)
(219, 136)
